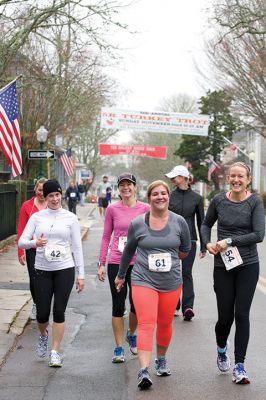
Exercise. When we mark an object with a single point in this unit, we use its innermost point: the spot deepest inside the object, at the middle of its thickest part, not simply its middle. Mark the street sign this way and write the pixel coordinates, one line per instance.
(41, 154)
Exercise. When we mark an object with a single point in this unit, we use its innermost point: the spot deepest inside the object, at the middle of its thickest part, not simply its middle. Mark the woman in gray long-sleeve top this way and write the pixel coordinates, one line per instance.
(241, 225)
(161, 239)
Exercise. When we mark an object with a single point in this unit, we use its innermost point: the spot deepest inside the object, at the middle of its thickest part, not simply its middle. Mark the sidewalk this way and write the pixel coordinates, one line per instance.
(15, 298)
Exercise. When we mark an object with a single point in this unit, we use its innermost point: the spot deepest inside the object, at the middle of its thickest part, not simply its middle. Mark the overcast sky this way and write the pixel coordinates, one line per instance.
(159, 60)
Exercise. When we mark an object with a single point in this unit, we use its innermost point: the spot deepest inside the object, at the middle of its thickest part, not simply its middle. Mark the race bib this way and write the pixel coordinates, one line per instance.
(160, 262)
(55, 252)
(122, 241)
(231, 257)
(73, 195)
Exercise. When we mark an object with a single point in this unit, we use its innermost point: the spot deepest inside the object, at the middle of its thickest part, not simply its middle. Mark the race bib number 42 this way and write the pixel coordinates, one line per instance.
(160, 262)
(55, 253)
(231, 258)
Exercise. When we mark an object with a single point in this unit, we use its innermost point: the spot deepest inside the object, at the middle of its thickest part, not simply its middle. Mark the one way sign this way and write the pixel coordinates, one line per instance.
(40, 154)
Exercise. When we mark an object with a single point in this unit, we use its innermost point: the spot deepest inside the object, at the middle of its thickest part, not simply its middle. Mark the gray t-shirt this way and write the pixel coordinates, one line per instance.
(162, 246)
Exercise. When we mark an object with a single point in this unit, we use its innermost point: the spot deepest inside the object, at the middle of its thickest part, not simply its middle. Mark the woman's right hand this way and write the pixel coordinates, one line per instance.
(212, 249)
(22, 259)
(41, 242)
(101, 273)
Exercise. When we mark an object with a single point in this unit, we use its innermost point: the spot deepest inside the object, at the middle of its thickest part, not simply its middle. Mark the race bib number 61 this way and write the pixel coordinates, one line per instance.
(160, 262)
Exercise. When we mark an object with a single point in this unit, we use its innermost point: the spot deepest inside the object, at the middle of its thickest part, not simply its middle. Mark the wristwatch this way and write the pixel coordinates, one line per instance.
(229, 241)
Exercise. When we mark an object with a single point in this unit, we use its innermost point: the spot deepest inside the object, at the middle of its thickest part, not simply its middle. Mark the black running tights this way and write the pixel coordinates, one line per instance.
(234, 291)
(49, 284)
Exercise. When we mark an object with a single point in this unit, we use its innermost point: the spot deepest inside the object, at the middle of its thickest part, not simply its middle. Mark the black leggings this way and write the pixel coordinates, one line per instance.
(119, 298)
(53, 283)
(30, 259)
(188, 294)
(72, 205)
(234, 291)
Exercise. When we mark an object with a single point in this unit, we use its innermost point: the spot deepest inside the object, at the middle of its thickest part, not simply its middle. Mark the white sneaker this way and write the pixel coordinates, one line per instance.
(42, 346)
(33, 312)
(240, 375)
(55, 359)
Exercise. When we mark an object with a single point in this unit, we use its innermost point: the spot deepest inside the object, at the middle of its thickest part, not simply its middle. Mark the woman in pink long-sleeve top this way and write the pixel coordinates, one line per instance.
(117, 219)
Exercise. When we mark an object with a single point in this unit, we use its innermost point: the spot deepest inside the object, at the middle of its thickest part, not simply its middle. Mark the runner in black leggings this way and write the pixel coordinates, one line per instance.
(117, 219)
(55, 233)
(241, 225)
(189, 204)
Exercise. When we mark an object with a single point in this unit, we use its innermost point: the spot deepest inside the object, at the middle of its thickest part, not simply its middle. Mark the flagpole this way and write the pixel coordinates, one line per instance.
(10, 83)
(238, 148)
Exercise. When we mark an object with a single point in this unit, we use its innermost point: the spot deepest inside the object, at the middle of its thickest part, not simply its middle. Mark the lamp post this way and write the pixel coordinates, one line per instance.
(252, 157)
(41, 137)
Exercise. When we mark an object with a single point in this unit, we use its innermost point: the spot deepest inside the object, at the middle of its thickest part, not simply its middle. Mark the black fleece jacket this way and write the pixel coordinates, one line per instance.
(189, 204)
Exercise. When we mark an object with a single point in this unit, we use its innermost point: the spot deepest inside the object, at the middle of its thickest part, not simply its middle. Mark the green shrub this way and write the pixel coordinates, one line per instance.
(212, 194)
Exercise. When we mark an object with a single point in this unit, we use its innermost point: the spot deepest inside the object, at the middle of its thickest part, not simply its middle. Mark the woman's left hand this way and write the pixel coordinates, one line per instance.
(221, 245)
(80, 283)
(202, 254)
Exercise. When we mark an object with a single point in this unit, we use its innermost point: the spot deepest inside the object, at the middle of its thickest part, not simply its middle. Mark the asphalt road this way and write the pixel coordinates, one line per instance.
(88, 373)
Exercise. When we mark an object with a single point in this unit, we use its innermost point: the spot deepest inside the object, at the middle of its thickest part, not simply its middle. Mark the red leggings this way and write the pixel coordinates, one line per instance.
(153, 307)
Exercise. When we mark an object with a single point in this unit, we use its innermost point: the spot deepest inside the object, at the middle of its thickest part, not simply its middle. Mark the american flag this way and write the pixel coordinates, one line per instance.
(211, 168)
(68, 162)
(9, 128)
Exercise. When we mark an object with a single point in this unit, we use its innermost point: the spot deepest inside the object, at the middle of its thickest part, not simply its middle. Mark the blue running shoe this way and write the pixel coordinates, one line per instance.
(144, 379)
(240, 375)
(132, 341)
(119, 355)
(161, 367)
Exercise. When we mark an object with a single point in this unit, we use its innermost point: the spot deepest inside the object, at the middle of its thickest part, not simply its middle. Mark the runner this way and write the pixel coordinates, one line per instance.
(101, 194)
(117, 219)
(184, 201)
(29, 207)
(72, 196)
(241, 225)
(161, 239)
(53, 231)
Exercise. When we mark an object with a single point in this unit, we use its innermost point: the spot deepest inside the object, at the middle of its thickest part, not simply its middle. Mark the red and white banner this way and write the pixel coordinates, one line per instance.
(155, 121)
(142, 151)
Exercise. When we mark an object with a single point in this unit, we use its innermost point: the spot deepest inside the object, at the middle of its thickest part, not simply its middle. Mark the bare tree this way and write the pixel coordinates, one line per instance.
(237, 57)
(61, 90)
(20, 20)
(240, 17)
(182, 103)
(240, 66)
(150, 169)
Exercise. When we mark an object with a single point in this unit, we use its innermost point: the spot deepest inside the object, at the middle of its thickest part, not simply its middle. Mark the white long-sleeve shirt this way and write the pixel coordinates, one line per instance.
(61, 228)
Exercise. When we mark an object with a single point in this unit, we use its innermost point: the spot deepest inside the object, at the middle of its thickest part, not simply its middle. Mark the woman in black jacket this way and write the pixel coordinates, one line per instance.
(189, 204)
